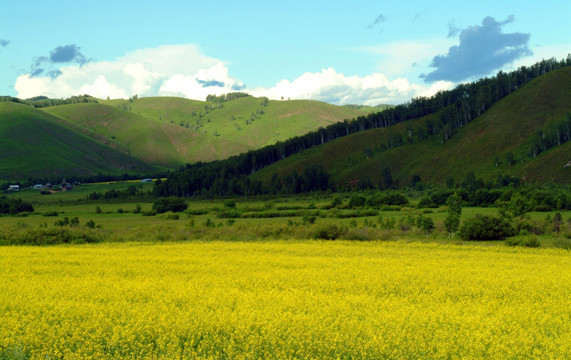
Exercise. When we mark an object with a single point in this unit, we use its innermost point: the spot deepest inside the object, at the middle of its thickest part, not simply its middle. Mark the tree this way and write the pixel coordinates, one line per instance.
(518, 205)
(510, 158)
(482, 227)
(426, 224)
(452, 221)
(557, 222)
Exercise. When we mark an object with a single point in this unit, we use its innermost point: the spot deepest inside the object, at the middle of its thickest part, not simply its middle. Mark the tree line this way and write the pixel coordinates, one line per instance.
(43, 101)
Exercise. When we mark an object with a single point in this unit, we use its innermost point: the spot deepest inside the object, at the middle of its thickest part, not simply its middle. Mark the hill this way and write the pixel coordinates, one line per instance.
(36, 144)
(506, 131)
(248, 121)
(155, 142)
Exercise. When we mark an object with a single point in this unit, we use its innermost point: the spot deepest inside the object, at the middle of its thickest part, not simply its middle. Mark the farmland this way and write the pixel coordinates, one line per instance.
(253, 277)
(284, 299)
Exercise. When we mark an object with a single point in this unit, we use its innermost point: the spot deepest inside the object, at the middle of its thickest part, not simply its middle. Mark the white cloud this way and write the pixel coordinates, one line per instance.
(182, 70)
(214, 80)
(143, 72)
(101, 88)
(333, 87)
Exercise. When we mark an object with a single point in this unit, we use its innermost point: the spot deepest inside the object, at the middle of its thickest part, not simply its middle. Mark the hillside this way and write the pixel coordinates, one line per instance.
(248, 121)
(36, 144)
(155, 142)
(508, 127)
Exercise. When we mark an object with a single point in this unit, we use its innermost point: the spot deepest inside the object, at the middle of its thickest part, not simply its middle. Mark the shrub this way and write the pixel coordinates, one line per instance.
(74, 221)
(360, 234)
(169, 204)
(55, 235)
(527, 241)
(229, 213)
(330, 231)
(230, 203)
(357, 201)
(426, 224)
(309, 219)
(196, 211)
(14, 206)
(482, 227)
(426, 202)
(50, 213)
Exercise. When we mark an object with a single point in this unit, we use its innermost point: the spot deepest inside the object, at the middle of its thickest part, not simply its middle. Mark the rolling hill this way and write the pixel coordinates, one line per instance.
(246, 120)
(502, 125)
(36, 144)
(170, 131)
(506, 128)
(165, 132)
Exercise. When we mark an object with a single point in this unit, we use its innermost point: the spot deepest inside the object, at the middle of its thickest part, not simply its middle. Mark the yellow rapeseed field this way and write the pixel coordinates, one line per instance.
(284, 300)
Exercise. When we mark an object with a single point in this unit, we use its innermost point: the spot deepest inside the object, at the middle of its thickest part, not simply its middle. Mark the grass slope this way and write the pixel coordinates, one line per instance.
(153, 141)
(243, 120)
(507, 127)
(36, 144)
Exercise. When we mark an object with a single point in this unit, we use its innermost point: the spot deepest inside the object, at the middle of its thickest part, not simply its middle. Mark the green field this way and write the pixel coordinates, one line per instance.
(252, 218)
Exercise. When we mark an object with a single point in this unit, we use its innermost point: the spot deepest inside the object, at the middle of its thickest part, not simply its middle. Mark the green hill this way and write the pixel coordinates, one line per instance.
(166, 132)
(248, 121)
(36, 144)
(482, 146)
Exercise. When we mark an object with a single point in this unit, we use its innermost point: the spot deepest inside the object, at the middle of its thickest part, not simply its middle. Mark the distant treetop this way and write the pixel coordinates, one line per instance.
(226, 97)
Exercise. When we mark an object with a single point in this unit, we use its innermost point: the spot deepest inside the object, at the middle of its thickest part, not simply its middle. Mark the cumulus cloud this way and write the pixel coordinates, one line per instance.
(482, 49)
(183, 70)
(179, 70)
(4, 43)
(333, 87)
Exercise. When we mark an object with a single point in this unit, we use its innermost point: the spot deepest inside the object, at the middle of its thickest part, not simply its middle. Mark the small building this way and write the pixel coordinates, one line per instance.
(66, 187)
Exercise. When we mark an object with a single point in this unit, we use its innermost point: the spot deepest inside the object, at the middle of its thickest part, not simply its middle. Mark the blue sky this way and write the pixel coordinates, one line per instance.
(366, 52)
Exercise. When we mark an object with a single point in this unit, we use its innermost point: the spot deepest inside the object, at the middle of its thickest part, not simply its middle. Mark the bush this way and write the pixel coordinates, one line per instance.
(357, 201)
(486, 228)
(360, 234)
(230, 203)
(330, 231)
(169, 204)
(55, 235)
(527, 241)
(14, 206)
(50, 213)
(229, 213)
(309, 219)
